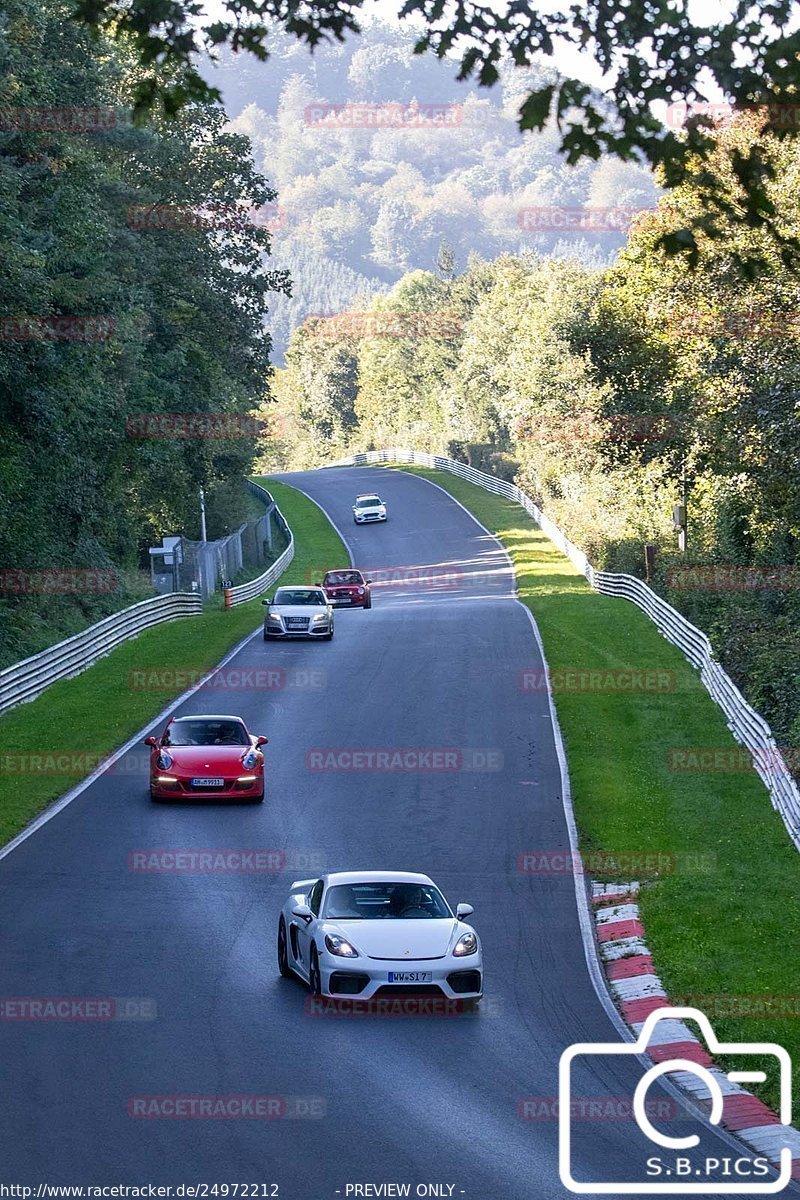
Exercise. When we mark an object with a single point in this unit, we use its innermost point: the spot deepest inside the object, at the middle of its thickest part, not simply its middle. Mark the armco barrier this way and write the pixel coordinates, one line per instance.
(747, 726)
(255, 587)
(28, 679)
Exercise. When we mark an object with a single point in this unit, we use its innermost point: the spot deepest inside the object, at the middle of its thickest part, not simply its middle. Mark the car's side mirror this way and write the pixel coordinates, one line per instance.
(464, 910)
(318, 585)
(267, 601)
(303, 912)
(150, 741)
(369, 581)
(261, 740)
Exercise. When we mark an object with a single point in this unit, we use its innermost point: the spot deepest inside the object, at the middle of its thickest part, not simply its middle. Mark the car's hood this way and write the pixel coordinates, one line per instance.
(399, 940)
(297, 610)
(206, 758)
(363, 508)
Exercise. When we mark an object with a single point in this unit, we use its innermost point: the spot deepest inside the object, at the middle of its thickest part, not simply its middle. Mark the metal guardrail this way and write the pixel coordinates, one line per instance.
(28, 679)
(25, 680)
(256, 587)
(746, 725)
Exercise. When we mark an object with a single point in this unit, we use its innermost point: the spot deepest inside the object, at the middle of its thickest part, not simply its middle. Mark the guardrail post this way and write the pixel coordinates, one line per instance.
(228, 597)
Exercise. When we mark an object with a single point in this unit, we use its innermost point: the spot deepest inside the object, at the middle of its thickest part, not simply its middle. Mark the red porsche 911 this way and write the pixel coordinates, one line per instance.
(207, 756)
(347, 588)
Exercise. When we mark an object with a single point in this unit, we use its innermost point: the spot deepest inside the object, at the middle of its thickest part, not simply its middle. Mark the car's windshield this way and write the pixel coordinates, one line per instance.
(367, 501)
(206, 732)
(336, 577)
(385, 901)
(299, 596)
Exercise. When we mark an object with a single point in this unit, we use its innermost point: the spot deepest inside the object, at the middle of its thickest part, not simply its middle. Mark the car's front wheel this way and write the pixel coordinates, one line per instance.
(283, 951)
(314, 975)
(326, 637)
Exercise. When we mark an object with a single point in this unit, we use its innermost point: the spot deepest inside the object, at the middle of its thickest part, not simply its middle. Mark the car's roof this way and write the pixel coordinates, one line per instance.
(343, 571)
(368, 496)
(209, 717)
(336, 877)
(299, 587)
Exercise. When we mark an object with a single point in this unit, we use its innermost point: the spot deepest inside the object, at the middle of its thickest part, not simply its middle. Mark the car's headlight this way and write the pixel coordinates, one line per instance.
(273, 618)
(360, 591)
(466, 944)
(321, 617)
(164, 761)
(250, 759)
(338, 946)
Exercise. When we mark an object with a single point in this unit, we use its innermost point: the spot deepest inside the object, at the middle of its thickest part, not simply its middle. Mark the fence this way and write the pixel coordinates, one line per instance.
(205, 566)
(255, 587)
(28, 679)
(746, 725)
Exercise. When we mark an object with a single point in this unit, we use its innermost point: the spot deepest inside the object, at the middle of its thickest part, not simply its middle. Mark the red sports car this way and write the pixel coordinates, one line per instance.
(206, 756)
(347, 588)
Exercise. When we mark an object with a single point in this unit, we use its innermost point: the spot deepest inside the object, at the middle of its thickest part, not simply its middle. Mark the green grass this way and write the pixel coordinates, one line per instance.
(726, 920)
(98, 711)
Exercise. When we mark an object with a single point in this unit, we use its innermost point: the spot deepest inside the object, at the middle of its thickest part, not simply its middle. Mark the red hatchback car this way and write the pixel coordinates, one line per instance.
(206, 756)
(347, 588)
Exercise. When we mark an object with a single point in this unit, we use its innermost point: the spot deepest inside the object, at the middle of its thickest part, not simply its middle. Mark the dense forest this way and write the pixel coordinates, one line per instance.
(596, 390)
(365, 196)
(129, 287)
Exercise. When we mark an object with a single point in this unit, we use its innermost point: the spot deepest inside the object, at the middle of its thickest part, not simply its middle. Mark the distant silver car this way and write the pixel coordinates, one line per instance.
(298, 612)
(368, 507)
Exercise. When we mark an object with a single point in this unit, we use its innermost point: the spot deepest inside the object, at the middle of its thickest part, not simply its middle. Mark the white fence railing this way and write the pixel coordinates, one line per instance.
(28, 679)
(747, 726)
(256, 587)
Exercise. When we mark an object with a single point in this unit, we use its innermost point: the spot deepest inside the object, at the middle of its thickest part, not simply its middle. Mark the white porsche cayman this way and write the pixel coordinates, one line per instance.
(378, 933)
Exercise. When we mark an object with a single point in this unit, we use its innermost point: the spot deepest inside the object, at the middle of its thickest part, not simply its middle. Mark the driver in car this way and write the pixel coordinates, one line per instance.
(408, 901)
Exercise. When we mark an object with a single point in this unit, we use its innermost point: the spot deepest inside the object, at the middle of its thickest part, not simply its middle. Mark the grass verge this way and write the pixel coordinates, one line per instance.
(722, 915)
(91, 715)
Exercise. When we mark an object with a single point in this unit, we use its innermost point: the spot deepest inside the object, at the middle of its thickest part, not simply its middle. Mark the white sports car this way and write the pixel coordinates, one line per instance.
(368, 508)
(298, 612)
(378, 933)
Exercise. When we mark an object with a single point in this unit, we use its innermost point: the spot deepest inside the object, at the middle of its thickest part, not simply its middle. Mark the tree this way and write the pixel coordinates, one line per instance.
(651, 54)
(446, 260)
(148, 230)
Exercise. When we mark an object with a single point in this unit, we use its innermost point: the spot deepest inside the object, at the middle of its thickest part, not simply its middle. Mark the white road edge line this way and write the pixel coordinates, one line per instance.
(326, 515)
(585, 914)
(56, 807)
(73, 794)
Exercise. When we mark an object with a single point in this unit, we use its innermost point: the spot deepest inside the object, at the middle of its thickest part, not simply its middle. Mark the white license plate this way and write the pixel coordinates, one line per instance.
(410, 977)
(207, 782)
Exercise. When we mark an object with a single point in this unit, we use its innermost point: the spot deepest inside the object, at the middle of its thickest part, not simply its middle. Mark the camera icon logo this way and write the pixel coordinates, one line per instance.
(635, 1049)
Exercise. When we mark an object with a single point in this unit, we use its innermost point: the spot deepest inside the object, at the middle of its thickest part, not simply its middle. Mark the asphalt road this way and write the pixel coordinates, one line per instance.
(434, 664)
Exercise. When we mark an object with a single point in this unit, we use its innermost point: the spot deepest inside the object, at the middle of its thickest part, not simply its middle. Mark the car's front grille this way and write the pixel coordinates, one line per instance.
(296, 622)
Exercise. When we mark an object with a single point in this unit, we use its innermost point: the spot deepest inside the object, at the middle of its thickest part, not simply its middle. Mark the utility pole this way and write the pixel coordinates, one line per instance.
(680, 518)
(203, 537)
